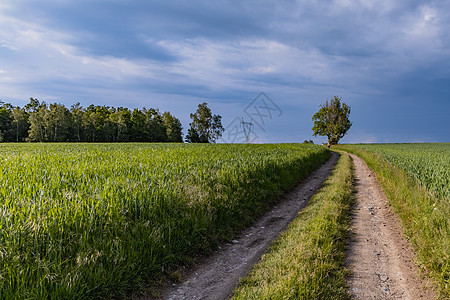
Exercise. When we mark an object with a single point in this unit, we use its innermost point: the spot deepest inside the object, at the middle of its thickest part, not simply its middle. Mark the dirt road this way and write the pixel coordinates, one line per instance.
(219, 274)
(380, 259)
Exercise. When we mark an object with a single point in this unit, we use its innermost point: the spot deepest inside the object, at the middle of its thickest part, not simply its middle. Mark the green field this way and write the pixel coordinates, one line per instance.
(416, 180)
(429, 164)
(98, 220)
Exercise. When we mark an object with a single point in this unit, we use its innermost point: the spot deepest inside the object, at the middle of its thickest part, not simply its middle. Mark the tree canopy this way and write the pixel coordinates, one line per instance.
(41, 122)
(205, 127)
(332, 120)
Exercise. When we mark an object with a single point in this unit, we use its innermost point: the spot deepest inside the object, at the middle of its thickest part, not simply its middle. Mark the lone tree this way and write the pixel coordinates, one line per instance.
(205, 127)
(332, 120)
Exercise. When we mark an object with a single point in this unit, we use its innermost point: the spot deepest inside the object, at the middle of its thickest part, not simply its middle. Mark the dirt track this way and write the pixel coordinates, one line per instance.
(219, 274)
(380, 259)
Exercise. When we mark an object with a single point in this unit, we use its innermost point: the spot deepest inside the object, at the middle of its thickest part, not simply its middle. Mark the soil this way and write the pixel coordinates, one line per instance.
(380, 259)
(218, 275)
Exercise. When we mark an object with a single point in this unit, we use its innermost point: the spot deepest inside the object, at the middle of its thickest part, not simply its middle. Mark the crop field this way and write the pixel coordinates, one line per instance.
(100, 220)
(429, 164)
(416, 180)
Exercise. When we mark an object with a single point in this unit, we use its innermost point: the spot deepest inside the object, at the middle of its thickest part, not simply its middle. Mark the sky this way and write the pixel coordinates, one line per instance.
(268, 63)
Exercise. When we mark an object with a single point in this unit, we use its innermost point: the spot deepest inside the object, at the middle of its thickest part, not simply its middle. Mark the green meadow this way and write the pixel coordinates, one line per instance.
(101, 220)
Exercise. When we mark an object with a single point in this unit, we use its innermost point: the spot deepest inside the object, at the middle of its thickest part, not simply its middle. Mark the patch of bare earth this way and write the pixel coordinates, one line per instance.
(380, 259)
(218, 275)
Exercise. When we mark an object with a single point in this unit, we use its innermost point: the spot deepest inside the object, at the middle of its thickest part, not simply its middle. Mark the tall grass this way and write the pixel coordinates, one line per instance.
(428, 164)
(411, 177)
(306, 261)
(99, 220)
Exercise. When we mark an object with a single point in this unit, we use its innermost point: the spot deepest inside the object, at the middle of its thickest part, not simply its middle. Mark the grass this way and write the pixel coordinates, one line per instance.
(101, 220)
(428, 164)
(306, 261)
(418, 198)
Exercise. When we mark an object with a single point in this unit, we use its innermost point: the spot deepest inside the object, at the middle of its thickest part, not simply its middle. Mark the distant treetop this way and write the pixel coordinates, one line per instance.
(332, 120)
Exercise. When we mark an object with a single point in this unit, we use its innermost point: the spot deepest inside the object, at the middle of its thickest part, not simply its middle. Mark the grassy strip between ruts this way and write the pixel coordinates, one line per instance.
(306, 261)
(424, 217)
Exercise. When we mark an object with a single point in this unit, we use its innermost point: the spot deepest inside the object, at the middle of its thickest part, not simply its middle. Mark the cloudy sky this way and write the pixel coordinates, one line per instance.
(389, 60)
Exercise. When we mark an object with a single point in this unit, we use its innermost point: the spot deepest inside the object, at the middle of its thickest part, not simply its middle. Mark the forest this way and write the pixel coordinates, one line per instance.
(41, 122)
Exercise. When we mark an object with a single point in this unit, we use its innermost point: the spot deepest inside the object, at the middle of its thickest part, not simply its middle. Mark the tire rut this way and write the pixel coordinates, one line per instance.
(380, 258)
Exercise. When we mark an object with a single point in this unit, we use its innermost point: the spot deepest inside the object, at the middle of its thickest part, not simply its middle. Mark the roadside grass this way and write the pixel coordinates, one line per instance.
(306, 261)
(424, 216)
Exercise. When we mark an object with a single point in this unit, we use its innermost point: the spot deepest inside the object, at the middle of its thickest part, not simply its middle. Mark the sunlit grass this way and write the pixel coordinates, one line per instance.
(95, 220)
(306, 261)
(428, 164)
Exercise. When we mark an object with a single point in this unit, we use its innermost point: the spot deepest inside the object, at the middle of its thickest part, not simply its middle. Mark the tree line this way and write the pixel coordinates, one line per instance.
(42, 122)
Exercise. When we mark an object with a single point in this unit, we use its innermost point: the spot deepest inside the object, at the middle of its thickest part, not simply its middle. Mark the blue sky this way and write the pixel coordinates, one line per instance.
(389, 60)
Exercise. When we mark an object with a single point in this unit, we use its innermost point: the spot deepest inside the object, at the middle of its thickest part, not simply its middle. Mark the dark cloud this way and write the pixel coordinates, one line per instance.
(388, 59)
